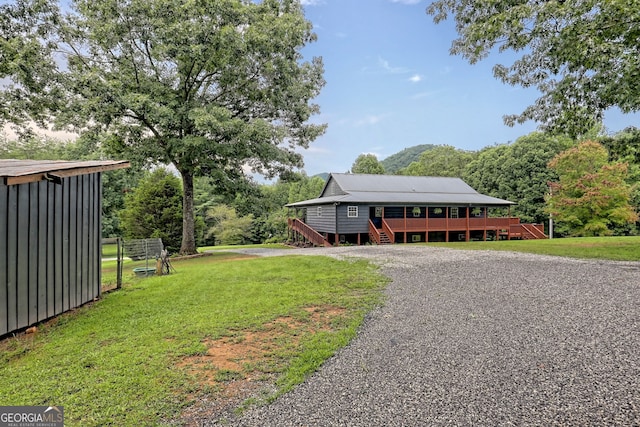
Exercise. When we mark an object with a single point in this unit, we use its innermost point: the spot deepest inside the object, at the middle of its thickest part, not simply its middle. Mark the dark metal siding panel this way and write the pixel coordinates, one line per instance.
(96, 232)
(59, 256)
(81, 250)
(12, 258)
(32, 267)
(73, 242)
(22, 276)
(43, 213)
(348, 225)
(51, 251)
(4, 205)
(67, 256)
(325, 223)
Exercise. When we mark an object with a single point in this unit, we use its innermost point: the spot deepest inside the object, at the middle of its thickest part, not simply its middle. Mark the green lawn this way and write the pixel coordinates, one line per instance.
(135, 356)
(611, 248)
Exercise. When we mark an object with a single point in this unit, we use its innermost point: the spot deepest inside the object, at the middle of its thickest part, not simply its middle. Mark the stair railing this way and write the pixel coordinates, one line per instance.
(309, 233)
(374, 234)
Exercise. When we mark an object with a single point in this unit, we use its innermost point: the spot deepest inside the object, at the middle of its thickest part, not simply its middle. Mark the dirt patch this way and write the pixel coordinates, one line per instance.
(244, 363)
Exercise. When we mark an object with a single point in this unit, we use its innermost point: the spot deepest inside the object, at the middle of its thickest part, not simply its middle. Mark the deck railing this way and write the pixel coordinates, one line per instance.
(444, 224)
(309, 233)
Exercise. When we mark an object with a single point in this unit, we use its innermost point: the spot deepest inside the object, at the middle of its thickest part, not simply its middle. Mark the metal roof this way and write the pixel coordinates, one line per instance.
(22, 171)
(397, 189)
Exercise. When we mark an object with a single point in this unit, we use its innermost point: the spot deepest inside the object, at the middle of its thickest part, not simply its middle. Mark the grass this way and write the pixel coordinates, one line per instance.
(611, 248)
(264, 245)
(129, 358)
(109, 250)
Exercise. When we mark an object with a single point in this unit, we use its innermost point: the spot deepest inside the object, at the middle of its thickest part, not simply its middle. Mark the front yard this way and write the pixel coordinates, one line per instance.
(153, 352)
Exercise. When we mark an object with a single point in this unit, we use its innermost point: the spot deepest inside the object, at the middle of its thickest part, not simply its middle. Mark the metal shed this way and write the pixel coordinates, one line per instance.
(50, 222)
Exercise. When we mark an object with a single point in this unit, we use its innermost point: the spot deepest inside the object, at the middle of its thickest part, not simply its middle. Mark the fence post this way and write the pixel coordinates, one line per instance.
(119, 263)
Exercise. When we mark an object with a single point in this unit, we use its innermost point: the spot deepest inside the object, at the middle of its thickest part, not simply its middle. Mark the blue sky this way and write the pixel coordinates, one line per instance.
(392, 84)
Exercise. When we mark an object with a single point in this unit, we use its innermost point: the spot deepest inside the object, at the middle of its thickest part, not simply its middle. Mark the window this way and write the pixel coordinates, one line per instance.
(416, 212)
(454, 212)
(352, 211)
(319, 211)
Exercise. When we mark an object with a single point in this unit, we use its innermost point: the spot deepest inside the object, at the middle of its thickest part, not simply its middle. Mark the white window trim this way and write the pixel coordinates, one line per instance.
(454, 214)
(352, 212)
(319, 211)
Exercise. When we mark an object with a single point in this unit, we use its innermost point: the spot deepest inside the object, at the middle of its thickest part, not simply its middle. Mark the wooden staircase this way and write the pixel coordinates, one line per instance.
(309, 234)
(530, 232)
(384, 239)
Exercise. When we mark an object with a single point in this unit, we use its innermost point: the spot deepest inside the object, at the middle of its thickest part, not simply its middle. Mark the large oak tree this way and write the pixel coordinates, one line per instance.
(582, 55)
(210, 86)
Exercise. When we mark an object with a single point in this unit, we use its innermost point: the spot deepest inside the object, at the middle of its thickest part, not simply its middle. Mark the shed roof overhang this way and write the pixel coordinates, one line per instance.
(13, 172)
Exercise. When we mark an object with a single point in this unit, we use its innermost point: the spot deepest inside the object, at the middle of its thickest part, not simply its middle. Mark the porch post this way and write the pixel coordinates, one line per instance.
(426, 226)
(509, 229)
(446, 224)
(486, 214)
(405, 224)
(468, 234)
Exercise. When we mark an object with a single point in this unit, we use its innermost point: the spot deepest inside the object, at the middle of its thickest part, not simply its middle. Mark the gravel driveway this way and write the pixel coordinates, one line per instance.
(479, 338)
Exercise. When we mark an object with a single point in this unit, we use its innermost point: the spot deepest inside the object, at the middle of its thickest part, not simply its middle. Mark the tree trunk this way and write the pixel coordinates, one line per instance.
(188, 246)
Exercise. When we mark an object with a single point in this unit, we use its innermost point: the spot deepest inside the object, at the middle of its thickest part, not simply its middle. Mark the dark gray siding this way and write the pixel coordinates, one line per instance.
(325, 223)
(348, 225)
(49, 249)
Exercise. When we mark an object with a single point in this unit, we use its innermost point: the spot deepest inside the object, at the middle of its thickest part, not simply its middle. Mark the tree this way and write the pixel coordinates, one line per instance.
(229, 228)
(404, 158)
(154, 209)
(212, 87)
(583, 56)
(441, 160)
(591, 197)
(518, 172)
(367, 163)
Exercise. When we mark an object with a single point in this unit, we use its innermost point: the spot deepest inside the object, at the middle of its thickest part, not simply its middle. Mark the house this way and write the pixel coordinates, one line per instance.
(379, 209)
(50, 238)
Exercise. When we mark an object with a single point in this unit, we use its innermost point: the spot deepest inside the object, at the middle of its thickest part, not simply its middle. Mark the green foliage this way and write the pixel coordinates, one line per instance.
(228, 228)
(404, 158)
(367, 163)
(154, 209)
(518, 172)
(271, 224)
(33, 148)
(305, 189)
(591, 197)
(441, 160)
(582, 56)
(121, 361)
(211, 87)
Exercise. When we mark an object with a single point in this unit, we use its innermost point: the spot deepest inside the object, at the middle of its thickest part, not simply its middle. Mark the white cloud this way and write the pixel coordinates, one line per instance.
(415, 78)
(310, 2)
(386, 66)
